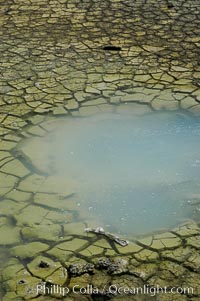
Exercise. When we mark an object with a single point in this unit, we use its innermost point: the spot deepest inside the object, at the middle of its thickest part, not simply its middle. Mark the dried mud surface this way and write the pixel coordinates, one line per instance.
(80, 58)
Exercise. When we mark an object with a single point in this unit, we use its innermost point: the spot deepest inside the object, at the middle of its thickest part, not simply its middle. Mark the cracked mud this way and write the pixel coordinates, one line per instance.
(67, 58)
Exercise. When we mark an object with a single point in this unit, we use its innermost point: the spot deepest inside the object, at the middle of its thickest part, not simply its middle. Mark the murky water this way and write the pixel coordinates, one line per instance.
(135, 175)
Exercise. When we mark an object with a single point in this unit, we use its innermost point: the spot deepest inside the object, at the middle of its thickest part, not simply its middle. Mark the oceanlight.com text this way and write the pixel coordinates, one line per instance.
(147, 290)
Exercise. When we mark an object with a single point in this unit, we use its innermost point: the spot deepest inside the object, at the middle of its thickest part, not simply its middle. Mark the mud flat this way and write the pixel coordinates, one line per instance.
(69, 59)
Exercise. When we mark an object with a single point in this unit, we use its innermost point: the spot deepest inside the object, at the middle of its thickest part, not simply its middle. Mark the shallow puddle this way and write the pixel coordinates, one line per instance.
(134, 175)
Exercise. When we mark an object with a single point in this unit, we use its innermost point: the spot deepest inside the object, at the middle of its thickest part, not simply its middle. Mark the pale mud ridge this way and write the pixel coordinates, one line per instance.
(53, 63)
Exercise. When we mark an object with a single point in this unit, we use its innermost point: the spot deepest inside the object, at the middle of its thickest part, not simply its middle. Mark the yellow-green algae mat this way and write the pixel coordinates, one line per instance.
(57, 59)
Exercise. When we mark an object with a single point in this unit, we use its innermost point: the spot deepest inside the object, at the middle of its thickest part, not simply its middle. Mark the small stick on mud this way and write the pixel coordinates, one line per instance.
(100, 230)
